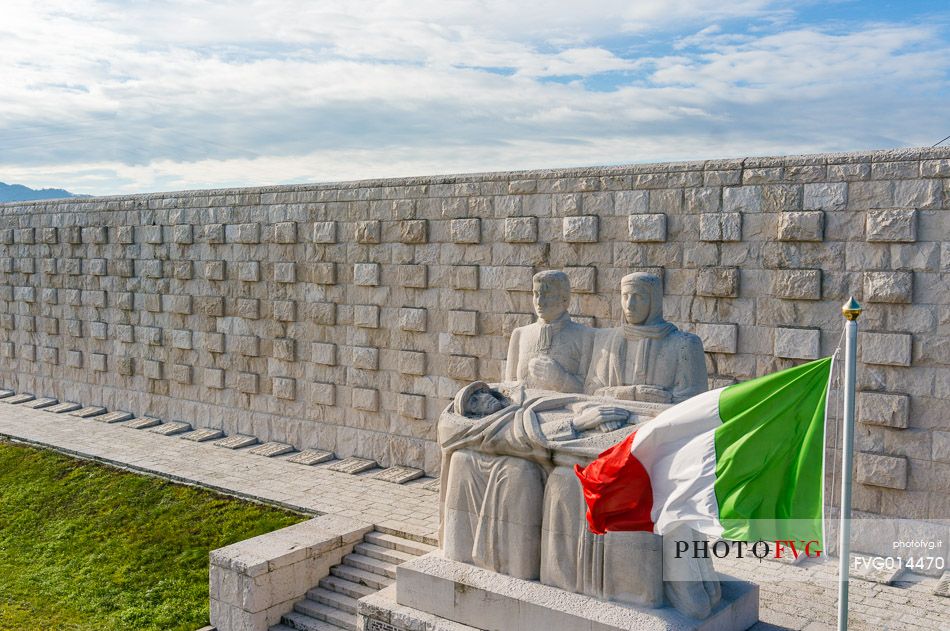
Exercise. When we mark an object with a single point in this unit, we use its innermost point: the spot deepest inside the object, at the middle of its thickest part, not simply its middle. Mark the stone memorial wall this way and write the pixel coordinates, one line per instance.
(345, 316)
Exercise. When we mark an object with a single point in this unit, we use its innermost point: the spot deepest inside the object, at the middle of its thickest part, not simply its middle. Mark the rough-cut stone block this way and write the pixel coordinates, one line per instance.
(181, 338)
(96, 235)
(463, 322)
(366, 399)
(464, 277)
(248, 233)
(248, 382)
(249, 308)
(940, 447)
(462, 367)
(801, 226)
(413, 276)
(583, 279)
(98, 362)
(214, 233)
(285, 272)
(152, 369)
(285, 232)
(74, 359)
(742, 199)
(824, 196)
(722, 282)
(49, 355)
(366, 274)
(368, 231)
(214, 270)
(181, 270)
(412, 362)
(124, 235)
(284, 310)
(797, 343)
(889, 410)
(718, 338)
(323, 313)
(214, 342)
(284, 349)
(324, 232)
(151, 335)
(468, 230)
(323, 353)
(366, 357)
(324, 273)
(412, 319)
(284, 388)
(646, 228)
(366, 316)
(894, 287)
(181, 373)
(214, 378)
(151, 234)
(249, 271)
(797, 284)
(521, 229)
(517, 278)
(632, 202)
(879, 470)
(414, 231)
(720, 227)
(888, 349)
(323, 393)
(892, 225)
(412, 405)
(182, 234)
(581, 229)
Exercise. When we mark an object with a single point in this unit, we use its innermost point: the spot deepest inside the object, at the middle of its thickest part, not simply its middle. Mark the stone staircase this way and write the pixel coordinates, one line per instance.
(371, 566)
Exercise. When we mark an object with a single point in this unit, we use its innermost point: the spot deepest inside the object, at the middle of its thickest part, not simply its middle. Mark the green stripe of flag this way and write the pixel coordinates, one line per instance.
(769, 454)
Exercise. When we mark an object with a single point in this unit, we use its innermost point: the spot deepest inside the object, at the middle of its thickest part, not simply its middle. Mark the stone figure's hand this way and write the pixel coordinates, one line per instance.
(600, 415)
(624, 393)
(653, 394)
(610, 426)
(545, 372)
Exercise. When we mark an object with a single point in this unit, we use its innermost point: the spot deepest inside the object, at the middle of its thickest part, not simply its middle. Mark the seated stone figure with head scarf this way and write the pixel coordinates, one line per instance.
(647, 358)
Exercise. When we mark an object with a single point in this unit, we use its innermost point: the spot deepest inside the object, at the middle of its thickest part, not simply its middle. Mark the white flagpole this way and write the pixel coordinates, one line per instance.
(851, 310)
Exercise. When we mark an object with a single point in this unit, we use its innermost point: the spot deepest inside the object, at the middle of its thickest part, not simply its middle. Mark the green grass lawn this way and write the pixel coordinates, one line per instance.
(84, 546)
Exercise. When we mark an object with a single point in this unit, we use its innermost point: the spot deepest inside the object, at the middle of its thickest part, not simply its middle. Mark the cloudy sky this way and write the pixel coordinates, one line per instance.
(106, 97)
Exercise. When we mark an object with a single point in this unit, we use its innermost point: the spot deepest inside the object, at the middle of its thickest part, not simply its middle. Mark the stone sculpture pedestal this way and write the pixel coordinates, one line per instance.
(436, 594)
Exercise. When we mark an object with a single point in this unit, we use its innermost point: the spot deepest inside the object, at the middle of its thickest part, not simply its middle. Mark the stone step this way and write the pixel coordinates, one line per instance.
(355, 575)
(398, 543)
(326, 613)
(333, 599)
(383, 554)
(369, 564)
(303, 622)
(345, 587)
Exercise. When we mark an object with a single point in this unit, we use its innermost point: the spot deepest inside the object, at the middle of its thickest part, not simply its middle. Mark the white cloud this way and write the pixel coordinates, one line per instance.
(107, 97)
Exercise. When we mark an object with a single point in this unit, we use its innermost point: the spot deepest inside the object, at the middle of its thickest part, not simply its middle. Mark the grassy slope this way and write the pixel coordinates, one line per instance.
(84, 546)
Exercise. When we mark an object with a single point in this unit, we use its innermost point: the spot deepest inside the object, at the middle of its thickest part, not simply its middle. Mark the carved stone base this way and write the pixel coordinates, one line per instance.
(435, 594)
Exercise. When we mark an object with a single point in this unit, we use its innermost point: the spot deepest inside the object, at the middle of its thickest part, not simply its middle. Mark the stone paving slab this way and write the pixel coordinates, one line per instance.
(89, 411)
(202, 435)
(113, 417)
(272, 449)
(42, 402)
(142, 422)
(236, 441)
(792, 597)
(311, 457)
(171, 428)
(62, 408)
(398, 475)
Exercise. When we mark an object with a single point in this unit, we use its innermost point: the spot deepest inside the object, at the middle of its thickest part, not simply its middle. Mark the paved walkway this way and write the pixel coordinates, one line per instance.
(792, 597)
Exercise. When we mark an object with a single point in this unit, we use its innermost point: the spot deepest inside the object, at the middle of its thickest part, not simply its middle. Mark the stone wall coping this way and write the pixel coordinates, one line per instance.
(274, 550)
(879, 156)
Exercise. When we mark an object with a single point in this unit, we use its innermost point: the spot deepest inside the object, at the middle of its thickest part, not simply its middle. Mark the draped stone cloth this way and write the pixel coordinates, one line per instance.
(511, 502)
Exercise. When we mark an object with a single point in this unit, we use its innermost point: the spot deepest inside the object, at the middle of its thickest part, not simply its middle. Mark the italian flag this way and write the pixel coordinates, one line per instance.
(743, 463)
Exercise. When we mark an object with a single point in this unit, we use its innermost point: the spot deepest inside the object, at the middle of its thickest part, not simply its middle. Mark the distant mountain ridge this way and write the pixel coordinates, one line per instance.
(20, 193)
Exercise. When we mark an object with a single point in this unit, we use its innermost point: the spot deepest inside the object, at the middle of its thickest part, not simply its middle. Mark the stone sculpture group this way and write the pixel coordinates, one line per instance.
(511, 502)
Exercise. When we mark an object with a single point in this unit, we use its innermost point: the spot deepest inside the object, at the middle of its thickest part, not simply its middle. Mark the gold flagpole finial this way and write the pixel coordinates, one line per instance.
(851, 309)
